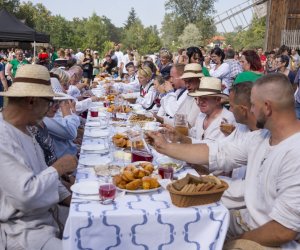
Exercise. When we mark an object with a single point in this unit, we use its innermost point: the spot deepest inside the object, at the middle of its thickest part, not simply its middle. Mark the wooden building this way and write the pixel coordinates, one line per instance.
(283, 24)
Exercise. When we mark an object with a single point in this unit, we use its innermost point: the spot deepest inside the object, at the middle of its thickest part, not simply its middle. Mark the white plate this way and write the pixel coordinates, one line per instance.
(86, 187)
(94, 124)
(165, 160)
(139, 191)
(94, 160)
(94, 147)
(97, 133)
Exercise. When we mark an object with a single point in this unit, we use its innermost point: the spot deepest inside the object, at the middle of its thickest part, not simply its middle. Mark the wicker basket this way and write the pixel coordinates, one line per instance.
(181, 199)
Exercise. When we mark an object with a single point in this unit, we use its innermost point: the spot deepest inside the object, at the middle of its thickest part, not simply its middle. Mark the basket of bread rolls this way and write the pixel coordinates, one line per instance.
(193, 191)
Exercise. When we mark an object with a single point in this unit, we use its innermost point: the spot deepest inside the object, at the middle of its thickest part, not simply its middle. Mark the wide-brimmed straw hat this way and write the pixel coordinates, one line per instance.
(31, 80)
(56, 86)
(209, 86)
(192, 70)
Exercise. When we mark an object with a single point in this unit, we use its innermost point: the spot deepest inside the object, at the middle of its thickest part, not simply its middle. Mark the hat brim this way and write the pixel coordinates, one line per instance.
(206, 93)
(191, 75)
(25, 89)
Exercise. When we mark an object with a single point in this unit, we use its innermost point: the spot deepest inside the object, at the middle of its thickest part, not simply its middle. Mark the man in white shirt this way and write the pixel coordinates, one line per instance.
(29, 189)
(240, 105)
(212, 113)
(272, 214)
(118, 54)
(186, 104)
(175, 93)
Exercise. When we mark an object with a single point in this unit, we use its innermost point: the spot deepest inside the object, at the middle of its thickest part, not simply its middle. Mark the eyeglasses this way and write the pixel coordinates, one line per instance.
(50, 101)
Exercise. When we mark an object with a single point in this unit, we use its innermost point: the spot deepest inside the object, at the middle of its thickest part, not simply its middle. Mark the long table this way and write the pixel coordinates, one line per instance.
(142, 221)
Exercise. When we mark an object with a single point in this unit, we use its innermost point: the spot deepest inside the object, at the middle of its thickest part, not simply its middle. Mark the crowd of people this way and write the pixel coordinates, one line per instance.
(242, 110)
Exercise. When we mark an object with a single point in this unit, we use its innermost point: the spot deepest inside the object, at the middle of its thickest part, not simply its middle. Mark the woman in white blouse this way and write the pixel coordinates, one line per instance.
(147, 91)
(220, 69)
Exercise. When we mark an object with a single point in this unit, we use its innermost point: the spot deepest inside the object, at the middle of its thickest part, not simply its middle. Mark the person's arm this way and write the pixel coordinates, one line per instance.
(9, 68)
(192, 153)
(271, 234)
(63, 127)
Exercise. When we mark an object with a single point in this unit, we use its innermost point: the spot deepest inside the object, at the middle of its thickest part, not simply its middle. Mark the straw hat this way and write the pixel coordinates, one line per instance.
(209, 86)
(31, 80)
(192, 70)
(55, 84)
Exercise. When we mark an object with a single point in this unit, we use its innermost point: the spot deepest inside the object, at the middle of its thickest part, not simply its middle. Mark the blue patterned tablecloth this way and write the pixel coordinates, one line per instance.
(143, 221)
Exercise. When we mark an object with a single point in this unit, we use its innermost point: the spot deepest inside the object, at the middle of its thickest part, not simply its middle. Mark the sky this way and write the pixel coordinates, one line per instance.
(151, 12)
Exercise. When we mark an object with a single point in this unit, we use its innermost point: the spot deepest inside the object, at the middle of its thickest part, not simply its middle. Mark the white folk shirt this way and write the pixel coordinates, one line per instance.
(28, 189)
(272, 179)
(213, 132)
(148, 98)
(189, 107)
(171, 102)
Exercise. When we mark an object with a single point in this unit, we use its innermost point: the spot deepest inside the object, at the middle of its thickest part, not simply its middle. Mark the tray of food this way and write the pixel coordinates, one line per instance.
(119, 109)
(137, 178)
(141, 119)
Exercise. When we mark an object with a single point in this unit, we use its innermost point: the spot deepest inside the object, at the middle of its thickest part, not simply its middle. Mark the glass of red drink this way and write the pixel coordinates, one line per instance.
(107, 193)
(166, 172)
(141, 155)
(94, 112)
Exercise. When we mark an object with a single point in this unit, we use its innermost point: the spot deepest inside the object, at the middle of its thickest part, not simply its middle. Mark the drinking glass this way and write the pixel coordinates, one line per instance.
(166, 172)
(140, 151)
(94, 112)
(181, 124)
(107, 193)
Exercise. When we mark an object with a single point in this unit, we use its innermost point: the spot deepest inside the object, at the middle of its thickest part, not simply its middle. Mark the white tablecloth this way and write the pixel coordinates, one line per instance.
(143, 221)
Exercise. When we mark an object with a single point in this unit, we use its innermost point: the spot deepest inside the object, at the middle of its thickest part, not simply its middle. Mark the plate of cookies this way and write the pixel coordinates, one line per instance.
(137, 178)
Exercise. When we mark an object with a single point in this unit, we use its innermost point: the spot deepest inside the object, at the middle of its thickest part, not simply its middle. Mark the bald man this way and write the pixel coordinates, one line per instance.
(272, 214)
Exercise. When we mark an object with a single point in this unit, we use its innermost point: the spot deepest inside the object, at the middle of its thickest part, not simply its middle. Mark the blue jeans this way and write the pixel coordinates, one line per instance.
(1, 97)
(297, 109)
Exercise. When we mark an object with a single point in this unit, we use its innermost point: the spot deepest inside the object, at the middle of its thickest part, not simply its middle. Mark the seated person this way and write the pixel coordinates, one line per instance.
(207, 126)
(272, 215)
(175, 93)
(147, 91)
(29, 189)
(191, 77)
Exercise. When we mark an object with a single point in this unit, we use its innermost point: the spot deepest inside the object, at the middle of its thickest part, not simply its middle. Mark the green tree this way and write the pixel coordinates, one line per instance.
(180, 13)
(61, 34)
(115, 33)
(132, 19)
(191, 10)
(96, 32)
(12, 6)
(190, 36)
(172, 27)
(251, 38)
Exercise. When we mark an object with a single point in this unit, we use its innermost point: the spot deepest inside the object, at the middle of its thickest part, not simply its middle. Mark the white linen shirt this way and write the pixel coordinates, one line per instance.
(28, 189)
(272, 179)
(213, 132)
(189, 107)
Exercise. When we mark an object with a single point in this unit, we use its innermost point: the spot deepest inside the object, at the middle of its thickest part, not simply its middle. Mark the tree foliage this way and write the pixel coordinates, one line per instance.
(132, 19)
(190, 36)
(96, 32)
(251, 38)
(185, 12)
(11, 6)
